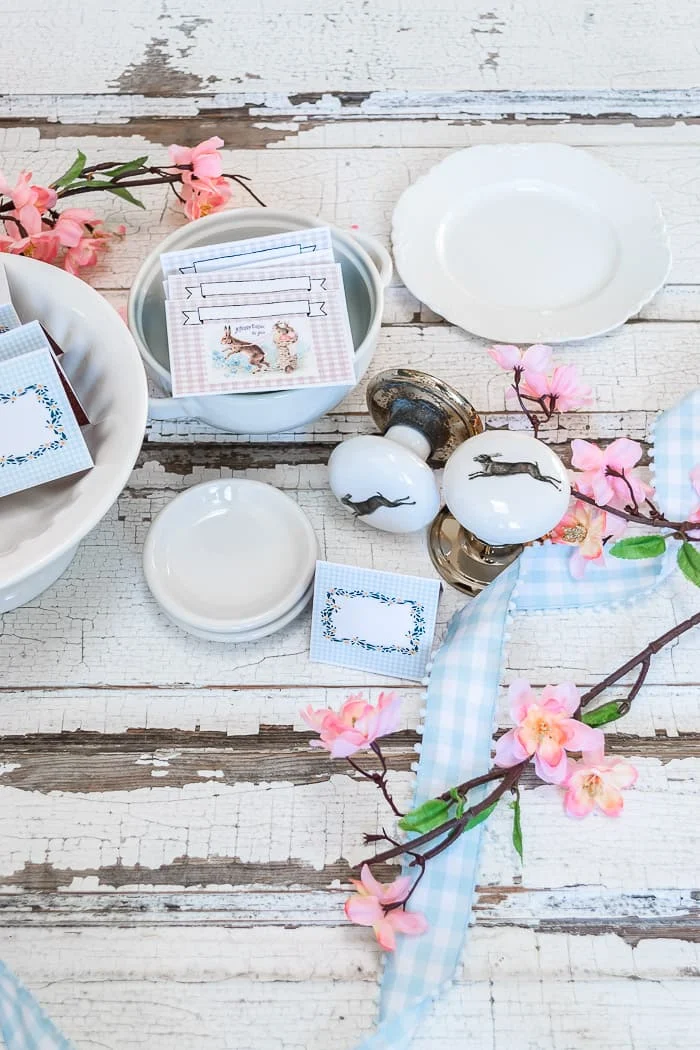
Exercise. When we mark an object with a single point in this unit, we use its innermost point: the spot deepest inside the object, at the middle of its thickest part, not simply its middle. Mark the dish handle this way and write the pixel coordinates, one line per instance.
(171, 408)
(377, 253)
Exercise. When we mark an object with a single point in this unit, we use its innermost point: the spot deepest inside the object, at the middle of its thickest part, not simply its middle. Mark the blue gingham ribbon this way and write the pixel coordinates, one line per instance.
(460, 710)
(23, 1023)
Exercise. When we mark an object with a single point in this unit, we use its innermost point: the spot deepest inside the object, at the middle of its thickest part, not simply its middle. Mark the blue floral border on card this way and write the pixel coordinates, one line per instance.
(331, 606)
(54, 423)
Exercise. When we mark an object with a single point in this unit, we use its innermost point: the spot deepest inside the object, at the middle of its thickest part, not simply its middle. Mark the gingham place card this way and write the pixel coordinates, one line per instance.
(381, 622)
(8, 318)
(40, 439)
(273, 248)
(291, 275)
(286, 329)
(33, 336)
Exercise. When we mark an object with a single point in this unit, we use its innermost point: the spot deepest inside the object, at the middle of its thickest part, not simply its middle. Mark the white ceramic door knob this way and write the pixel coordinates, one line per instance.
(506, 488)
(386, 480)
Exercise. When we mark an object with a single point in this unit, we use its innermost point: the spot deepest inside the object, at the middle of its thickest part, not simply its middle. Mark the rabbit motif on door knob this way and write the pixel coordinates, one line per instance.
(386, 481)
(502, 489)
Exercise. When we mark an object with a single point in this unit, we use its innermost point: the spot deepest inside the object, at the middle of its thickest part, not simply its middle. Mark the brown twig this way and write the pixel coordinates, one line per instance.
(653, 521)
(129, 180)
(378, 778)
(644, 658)
(463, 789)
(510, 777)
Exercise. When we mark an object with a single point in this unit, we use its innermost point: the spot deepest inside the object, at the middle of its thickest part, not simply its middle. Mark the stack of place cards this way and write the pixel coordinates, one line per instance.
(40, 414)
(263, 314)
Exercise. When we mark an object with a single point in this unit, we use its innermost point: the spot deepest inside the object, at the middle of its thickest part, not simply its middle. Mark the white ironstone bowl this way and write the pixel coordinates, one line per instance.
(40, 528)
(366, 267)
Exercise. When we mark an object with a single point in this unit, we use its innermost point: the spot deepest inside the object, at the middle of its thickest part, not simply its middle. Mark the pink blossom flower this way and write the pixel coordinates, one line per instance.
(43, 245)
(536, 358)
(358, 723)
(205, 160)
(30, 201)
(563, 386)
(545, 729)
(70, 225)
(203, 196)
(596, 481)
(584, 528)
(85, 252)
(368, 908)
(596, 782)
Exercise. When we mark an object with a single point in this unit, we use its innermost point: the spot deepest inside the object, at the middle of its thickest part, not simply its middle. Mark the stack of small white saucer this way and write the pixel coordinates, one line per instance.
(231, 560)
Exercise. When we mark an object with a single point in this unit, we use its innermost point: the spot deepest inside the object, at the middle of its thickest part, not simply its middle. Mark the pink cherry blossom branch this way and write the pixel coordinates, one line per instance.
(532, 417)
(450, 830)
(655, 520)
(377, 778)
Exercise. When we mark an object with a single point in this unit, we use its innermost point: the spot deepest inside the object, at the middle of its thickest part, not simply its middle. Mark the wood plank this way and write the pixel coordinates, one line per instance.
(634, 372)
(99, 625)
(171, 51)
(287, 989)
(226, 827)
(658, 914)
(606, 113)
(146, 717)
(347, 186)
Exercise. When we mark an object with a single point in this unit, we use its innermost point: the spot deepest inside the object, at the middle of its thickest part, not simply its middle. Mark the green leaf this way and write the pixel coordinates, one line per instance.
(124, 169)
(517, 826)
(120, 191)
(459, 802)
(639, 547)
(430, 815)
(689, 563)
(75, 170)
(600, 716)
(92, 183)
(481, 817)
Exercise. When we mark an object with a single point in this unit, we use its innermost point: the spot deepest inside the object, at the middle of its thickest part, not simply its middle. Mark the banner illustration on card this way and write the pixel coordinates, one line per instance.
(256, 251)
(233, 313)
(255, 286)
(248, 258)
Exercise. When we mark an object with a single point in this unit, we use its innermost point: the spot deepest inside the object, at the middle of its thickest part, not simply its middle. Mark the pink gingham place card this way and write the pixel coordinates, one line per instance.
(253, 329)
(312, 244)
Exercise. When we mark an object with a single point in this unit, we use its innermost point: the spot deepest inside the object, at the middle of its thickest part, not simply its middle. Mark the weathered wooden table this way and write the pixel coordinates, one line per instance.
(172, 854)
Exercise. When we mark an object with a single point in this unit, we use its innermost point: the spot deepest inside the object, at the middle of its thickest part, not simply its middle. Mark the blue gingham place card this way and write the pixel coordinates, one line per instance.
(40, 439)
(381, 622)
(8, 318)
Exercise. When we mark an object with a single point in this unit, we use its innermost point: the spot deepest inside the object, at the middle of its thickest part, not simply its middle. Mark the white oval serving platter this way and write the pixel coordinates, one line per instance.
(530, 243)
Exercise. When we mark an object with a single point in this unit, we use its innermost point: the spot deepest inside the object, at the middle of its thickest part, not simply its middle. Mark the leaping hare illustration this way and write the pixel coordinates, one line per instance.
(284, 337)
(363, 507)
(255, 353)
(492, 469)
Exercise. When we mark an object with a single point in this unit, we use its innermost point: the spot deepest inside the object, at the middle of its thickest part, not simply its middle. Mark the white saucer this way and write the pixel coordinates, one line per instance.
(252, 635)
(530, 243)
(230, 556)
